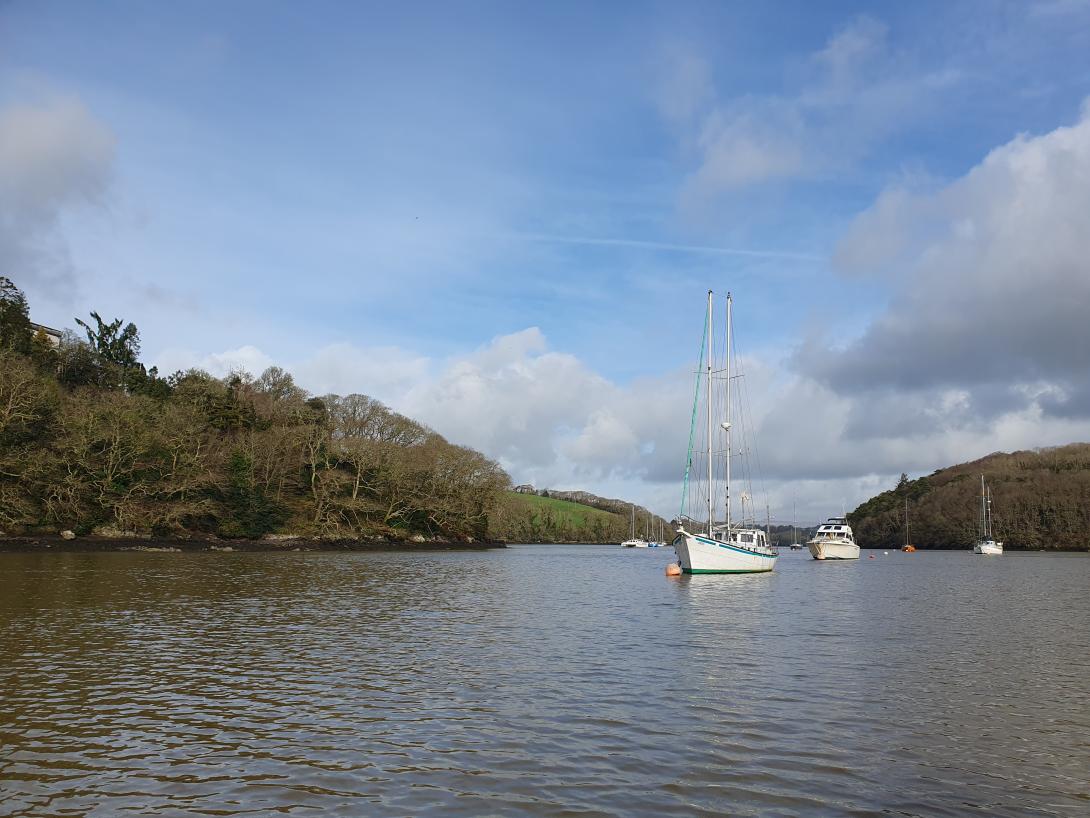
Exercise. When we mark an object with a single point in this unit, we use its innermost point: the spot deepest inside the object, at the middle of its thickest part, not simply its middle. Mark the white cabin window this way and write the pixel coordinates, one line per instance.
(747, 538)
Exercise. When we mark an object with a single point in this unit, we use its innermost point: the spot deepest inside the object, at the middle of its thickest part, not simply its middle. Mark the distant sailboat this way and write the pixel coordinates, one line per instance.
(909, 547)
(633, 541)
(722, 548)
(657, 541)
(795, 544)
(986, 544)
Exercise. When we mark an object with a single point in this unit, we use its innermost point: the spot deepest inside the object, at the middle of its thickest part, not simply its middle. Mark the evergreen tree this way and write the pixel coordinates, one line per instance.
(15, 330)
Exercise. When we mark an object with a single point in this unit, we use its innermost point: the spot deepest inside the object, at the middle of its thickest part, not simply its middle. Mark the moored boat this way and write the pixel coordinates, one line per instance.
(986, 544)
(723, 547)
(834, 541)
(907, 547)
(795, 544)
(633, 541)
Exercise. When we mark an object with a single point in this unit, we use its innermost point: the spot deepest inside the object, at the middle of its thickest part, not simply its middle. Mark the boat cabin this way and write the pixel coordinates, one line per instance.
(743, 537)
(836, 528)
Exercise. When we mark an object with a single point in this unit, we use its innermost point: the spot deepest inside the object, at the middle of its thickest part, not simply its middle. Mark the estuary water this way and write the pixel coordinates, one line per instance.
(542, 680)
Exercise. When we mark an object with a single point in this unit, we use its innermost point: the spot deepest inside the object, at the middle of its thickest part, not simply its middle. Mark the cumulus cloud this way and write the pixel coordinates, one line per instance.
(386, 373)
(546, 415)
(982, 346)
(53, 155)
(991, 278)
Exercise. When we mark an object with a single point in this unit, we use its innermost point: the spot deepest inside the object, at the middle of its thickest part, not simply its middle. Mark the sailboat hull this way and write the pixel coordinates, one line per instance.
(988, 547)
(701, 555)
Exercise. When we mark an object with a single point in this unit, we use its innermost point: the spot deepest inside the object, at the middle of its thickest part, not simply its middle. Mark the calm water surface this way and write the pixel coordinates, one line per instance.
(542, 680)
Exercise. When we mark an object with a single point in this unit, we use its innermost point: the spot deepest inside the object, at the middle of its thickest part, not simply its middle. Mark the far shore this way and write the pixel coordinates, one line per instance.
(53, 543)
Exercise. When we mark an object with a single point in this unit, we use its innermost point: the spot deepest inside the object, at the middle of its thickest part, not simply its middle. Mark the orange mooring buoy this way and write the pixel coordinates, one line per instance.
(673, 570)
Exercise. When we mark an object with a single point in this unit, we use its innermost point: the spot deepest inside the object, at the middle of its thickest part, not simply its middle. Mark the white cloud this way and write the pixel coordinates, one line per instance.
(54, 155)
(682, 83)
(989, 275)
(386, 373)
(983, 345)
(851, 93)
(247, 358)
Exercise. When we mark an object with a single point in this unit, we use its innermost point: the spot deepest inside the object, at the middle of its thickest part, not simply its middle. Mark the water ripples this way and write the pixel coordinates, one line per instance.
(541, 681)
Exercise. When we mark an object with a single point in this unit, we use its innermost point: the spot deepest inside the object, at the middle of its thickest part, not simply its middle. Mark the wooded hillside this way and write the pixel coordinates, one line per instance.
(1040, 499)
(92, 441)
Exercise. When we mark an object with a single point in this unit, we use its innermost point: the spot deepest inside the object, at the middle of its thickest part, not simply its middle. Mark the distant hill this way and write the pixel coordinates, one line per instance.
(1040, 500)
(550, 515)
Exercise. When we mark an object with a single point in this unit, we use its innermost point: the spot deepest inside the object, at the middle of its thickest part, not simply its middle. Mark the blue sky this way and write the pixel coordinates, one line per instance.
(502, 218)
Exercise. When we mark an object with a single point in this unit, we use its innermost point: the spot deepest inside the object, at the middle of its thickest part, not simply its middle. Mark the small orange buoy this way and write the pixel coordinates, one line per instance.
(673, 570)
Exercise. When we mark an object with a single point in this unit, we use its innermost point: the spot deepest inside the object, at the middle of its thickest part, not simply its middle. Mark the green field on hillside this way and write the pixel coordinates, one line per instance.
(530, 518)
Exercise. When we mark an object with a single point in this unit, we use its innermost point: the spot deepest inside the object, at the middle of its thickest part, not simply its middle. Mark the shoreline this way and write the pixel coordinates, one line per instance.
(55, 544)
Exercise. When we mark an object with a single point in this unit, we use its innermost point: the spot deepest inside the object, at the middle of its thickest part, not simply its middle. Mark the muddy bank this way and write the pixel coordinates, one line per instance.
(57, 544)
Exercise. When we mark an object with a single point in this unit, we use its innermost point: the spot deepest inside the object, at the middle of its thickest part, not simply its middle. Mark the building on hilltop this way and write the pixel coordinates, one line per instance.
(525, 488)
(51, 335)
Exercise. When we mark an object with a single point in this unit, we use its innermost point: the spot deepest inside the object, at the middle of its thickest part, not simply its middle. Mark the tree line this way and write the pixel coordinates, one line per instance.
(1040, 500)
(93, 441)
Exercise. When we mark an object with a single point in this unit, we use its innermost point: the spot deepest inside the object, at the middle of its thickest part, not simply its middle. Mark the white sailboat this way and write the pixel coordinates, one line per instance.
(727, 547)
(795, 544)
(986, 544)
(633, 541)
(834, 541)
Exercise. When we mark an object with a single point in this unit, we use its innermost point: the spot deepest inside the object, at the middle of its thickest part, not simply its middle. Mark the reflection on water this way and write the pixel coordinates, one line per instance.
(542, 680)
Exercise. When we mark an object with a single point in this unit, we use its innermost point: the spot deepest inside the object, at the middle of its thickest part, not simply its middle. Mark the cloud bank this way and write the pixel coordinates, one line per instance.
(54, 155)
(991, 289)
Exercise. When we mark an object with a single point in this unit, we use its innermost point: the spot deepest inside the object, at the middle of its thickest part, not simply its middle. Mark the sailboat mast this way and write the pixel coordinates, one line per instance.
(906, 521)
(727, 483)
(711, 516)
(983, 512)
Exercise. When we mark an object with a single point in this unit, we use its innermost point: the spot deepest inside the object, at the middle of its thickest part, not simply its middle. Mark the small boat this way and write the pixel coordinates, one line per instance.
(986, 544)
(658, 543)
(907, 547)
(633, 541)
(834, 541)
(723, 547)
(795, 544)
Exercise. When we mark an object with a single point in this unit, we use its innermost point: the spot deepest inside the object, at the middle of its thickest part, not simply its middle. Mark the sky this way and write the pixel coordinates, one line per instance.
(502, 218)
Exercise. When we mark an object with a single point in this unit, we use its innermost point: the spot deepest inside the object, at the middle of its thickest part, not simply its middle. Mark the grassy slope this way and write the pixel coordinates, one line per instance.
(529, 517)
(573, 512)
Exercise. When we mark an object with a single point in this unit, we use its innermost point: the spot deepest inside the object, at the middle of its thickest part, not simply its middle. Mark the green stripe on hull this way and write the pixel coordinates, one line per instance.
(726, 571)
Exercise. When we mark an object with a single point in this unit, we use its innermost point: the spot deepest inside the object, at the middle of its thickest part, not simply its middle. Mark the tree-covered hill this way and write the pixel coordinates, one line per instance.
(1040, 500)
(92, 441)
